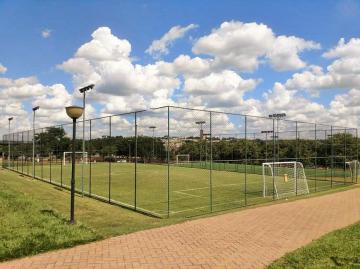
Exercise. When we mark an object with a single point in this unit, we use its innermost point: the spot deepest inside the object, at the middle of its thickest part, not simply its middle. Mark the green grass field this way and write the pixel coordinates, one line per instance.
(27, 227)
(190, 190)
(338, 249)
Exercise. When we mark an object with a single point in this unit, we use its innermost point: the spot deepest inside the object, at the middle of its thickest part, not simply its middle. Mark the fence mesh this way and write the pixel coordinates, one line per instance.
(177, 161)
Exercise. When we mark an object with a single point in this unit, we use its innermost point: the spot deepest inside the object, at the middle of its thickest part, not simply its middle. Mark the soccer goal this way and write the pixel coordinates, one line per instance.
(353, 167)
(80, 157)
(284, 179)
(182, 158)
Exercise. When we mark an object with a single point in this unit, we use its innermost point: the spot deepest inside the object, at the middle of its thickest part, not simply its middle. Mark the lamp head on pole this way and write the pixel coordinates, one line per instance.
(10, 119)
(86, 88)
(35, 108)
(74, 112)
(152, 127)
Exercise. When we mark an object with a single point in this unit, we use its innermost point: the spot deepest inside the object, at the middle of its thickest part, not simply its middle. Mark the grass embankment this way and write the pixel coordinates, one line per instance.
(340, 248)
(34, 218)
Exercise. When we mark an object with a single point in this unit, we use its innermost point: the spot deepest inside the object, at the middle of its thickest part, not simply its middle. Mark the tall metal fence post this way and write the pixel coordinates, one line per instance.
(316, 156)
(274, 156)
(90, 157)
(211, 163)
(345, 156)
(357, 153)
(168, 161)
(22, 152)
(332, 155)
(42, 155)
(246, 161)
(110, 157)
(296, 157)
(136, 148)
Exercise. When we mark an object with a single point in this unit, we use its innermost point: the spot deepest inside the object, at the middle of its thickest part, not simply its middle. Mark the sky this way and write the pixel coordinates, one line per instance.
(250, 57)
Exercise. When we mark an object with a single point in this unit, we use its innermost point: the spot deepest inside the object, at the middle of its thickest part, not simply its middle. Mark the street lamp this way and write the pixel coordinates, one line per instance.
(153, 140)
(83, 91)
(200, 123)
(277, 116)
(9, 153)
(266, 135)
(33, 151)
(74, 112)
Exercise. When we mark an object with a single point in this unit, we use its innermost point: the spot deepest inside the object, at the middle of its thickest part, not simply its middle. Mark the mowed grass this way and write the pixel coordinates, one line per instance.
(34, 218)
(192, 189)
(338, 249)
(28, 227)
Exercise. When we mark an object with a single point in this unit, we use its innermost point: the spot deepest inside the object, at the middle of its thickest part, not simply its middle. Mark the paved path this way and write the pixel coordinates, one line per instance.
(250, 238)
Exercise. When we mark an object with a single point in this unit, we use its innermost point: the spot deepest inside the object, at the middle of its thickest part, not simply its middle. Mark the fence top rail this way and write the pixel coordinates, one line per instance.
(315, 124)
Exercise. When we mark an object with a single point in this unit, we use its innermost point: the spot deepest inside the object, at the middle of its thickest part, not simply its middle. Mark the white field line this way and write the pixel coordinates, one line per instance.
(218, 186)
(188, 194)
(214, 204)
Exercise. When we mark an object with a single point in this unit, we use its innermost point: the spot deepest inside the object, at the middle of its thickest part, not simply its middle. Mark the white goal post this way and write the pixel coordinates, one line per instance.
(284, 179)
(182, 158)
(354, 167)
(77, 153)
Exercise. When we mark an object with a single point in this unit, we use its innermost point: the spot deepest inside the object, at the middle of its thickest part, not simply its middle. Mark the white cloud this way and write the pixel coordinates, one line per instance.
(244, 46)
(3, 69)
(161, 46)
(106, 61)
(46, 33)
(284, 52)
(224, 89)
(350, 49)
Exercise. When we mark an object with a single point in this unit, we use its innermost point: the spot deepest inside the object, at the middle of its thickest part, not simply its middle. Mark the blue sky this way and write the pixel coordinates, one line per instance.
(25, 52)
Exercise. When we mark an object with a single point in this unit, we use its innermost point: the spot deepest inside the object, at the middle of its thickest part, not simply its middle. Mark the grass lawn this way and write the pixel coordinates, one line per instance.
(340, 248)
(189, 187)
(34, 217)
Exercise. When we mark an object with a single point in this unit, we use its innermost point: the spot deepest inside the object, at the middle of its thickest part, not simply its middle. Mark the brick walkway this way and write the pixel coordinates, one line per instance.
(250, 238)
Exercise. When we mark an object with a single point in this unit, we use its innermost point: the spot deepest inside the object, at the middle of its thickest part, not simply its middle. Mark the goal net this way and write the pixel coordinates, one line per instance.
(80, 157)
(284, 179)
(353, 167)
(182, 158)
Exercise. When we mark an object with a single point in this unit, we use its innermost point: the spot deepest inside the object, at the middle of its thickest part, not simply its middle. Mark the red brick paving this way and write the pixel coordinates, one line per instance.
(250, 238)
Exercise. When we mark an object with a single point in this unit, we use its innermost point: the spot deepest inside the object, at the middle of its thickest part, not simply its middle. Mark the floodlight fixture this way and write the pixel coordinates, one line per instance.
(277, 115)
(86, 88)
(35, 108)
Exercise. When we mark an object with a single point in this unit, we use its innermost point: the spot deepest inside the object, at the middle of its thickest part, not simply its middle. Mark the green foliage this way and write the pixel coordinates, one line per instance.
(337, 249)
(258, 150)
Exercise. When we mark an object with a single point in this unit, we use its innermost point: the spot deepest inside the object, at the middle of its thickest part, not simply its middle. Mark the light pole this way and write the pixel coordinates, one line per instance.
(266, 134)
(200, 123)
(153, 140)
(277, 116)
(74, 112)
(33, 150)
(9, 153)
(83, 91)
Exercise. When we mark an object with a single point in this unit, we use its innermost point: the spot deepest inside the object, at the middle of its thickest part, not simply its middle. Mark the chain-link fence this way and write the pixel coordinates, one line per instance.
(176, 161)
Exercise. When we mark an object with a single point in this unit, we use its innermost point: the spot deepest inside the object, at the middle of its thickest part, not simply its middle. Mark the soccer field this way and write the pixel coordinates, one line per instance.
(190, 189)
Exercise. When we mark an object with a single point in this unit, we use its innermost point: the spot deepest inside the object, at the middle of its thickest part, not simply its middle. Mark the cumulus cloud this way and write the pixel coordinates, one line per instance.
(214, 81)
(284, 53)
(345, 50)
(244, 46)
(106, 61)
(161, 46)
(3, 69)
